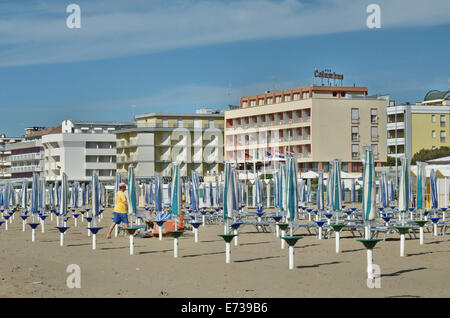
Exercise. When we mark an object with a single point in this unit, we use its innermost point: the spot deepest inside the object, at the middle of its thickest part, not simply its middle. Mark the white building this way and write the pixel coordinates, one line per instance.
(81, 148)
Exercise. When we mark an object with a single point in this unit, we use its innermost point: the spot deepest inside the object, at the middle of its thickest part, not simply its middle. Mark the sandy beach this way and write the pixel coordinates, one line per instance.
(259, 267)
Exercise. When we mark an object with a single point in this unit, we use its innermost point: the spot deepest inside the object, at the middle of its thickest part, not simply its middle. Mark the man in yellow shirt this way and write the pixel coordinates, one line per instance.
(120, 209)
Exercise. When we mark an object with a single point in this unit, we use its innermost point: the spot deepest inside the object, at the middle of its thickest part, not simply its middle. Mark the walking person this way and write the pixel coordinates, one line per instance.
(120, 209)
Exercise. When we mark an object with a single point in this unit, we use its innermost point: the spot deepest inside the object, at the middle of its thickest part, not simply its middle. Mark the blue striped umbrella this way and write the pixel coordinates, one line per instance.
(24, 198)
(308, 191)
(276, 190)
(433, 190)
(291, 190)
(368, 203)
(283, 177)
(403, 195)
(211, 195)
(176, 190)
(87, 194)
(35, 193)
(320, 192)
(2, 189)
(132, 197)
(63, 196)
(42, 193)
(12, 195)
(57, 194)
(411, 192)
(353, 191)
(151, 195)
(195, 192)
(342, 191)
(95, 196)
(384, 190)
(169, 193)
(75, 191)
(258, 192)
(392, 191)
(204, 186)
(420, 191)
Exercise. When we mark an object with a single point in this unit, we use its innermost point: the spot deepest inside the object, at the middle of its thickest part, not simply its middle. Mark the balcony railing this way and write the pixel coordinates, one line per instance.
(355, 155)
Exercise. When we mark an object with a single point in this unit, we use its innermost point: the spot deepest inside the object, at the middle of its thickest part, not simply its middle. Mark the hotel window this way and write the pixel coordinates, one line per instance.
(355, 116)
(374, 133)
(373, 116)
(287, 98)
(433, 134)
(355, 133)
(261, 101)
(278, 99)
(180, 123)
(296, 96)
(269, 100)
(355, 151)
(442, 120)
(433, 118)
(244, 104)
(253, 102)
(442, 135)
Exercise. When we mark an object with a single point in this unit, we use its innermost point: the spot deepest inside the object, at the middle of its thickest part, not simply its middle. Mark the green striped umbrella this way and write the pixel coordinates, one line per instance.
(176, 190)
(131, 191)
(369, 200)
(336, 188)
(420, 184)
(283, 176)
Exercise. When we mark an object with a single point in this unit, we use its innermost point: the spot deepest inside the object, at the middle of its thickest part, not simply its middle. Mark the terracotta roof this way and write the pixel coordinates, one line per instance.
(46, 131)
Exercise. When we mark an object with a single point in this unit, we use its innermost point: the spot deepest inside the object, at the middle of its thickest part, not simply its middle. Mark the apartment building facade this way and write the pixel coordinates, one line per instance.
(195, 140)
(425, 125)
(5, 163)
(81, 148)
(316, 123)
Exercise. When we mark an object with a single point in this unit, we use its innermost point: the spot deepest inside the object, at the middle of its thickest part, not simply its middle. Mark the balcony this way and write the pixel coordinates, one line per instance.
(355, 120)
(5, 163)
(25, 157)
(395, 141)
(375, 138)
(355, 156)
(395, 126)
(24, 169)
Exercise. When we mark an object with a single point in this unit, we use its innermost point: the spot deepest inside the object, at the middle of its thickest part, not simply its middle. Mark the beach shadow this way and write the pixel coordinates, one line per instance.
(151, 252)
(355, 250)
(305, 246)
(255, 259)
(195, 255)
(115, 248)
(318, 265)
(212, 241)
(256, 243)
(403, 296)
(403, 271)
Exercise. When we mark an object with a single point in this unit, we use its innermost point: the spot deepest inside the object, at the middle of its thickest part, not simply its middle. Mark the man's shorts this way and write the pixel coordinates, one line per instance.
(120, 218)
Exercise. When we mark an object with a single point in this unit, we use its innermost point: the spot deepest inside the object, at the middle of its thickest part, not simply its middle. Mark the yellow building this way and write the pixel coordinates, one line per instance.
(425, 125)
(317, 123)
(195, 140)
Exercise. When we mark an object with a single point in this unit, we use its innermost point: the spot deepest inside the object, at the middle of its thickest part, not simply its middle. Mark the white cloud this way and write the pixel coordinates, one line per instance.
(36, 32)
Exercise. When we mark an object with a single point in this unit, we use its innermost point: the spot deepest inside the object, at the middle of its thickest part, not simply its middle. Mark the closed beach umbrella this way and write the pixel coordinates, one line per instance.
(195, 191)
(291, 189)
(176, 190)
(384, 190)
(420, 191)
(258, 192)
(131, 191)
(353, 191)
(433, 190)
(276, 190)
(320, 192)
(336, 196)
(95, 196)
(24, 198)
(158, 193)
(283, 205)
(228, 192)
(368, 204)
(403, 195)
(392, 191)
(211, 195)
(35, 193)
(342, 191)
(308, 191)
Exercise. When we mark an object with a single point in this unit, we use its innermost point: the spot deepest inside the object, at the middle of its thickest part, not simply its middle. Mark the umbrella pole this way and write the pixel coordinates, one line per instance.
(195, 235)
(42, 223)
(32, 235)
(89, 232)
(421, 235)
(370, 264)
(131, 244)
(160, 232)
(402, 245)
(337, 237)
(116, 230)
(61, 239)
(283, 234)
(228, 252)
(94, 241)
(175, 247)
(291, 257)
(236, 239)
(320, 232)
(23, 226)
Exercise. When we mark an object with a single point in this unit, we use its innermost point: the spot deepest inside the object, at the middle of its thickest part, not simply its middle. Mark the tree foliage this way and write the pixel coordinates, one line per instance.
(428, 154)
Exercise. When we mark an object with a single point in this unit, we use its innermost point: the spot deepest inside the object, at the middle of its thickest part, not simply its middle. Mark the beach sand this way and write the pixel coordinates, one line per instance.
(258, 268)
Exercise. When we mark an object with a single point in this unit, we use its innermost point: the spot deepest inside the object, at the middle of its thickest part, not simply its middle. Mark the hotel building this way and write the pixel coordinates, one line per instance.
(425, 125)
(195, 140)
(317, 123)
(81, 148)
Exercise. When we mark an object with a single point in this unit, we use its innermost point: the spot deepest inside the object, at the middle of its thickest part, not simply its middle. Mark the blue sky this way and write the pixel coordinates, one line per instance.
(176, 56)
